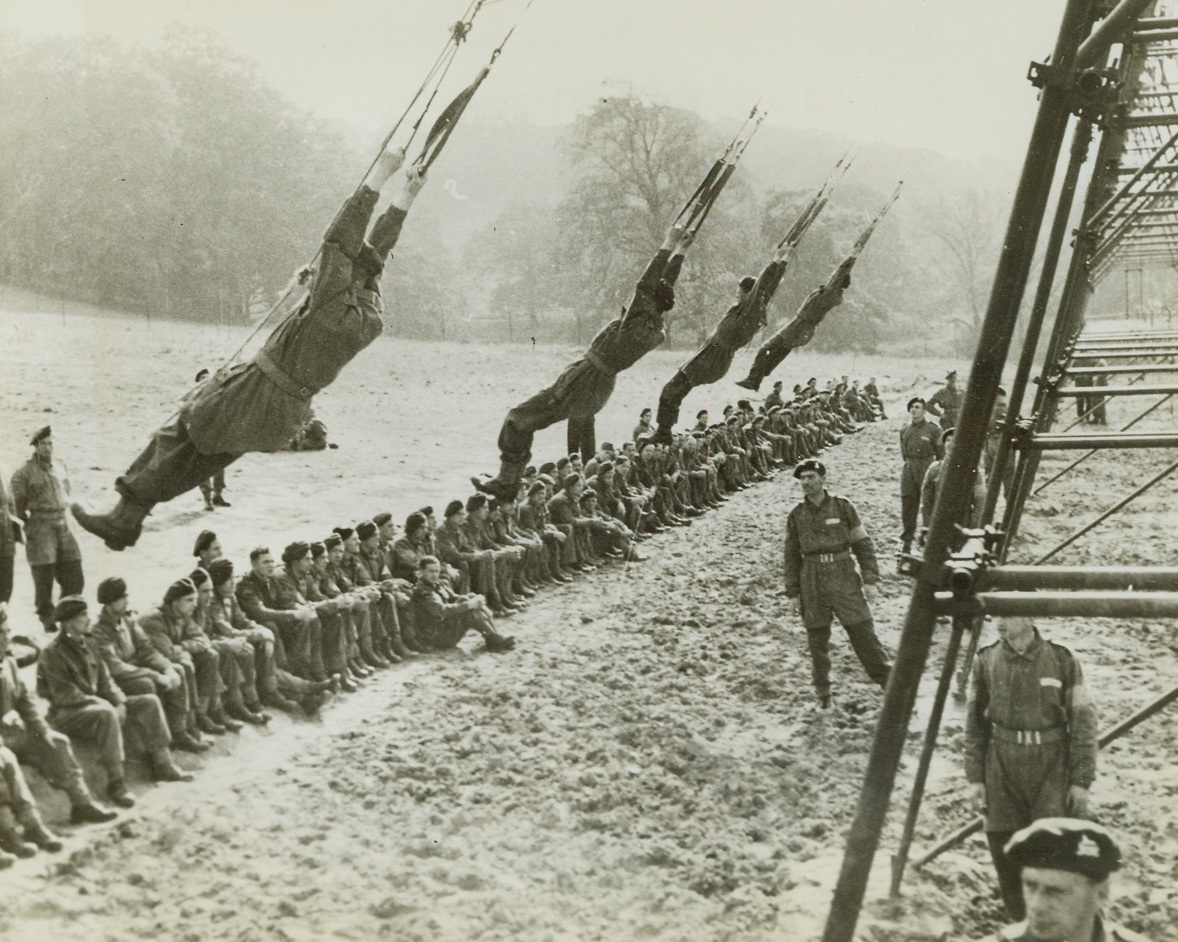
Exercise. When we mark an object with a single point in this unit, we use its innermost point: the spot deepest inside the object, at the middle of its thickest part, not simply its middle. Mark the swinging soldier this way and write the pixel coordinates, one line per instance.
(823, 538)
(258, 406)
(583, 389)
(735, 330)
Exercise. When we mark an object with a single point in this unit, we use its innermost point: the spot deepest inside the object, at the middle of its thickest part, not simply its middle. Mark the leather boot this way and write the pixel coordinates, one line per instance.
(90, 813)
(497, 643)
(11, 840)
(186, 742)
(118, 529)
(116, 791)
(506, 485)
(164, 770)
(36, 832)
(217, 715)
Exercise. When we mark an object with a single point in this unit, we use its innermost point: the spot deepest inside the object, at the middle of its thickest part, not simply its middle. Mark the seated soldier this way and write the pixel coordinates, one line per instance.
(25, 733)
(137, 667)
(615, 539)
(171, 629)
(18, 813)
(444, 618)
(394, 592)
(84, 702)
(534, 519)
(235, 659)
(343, 569)
(456, 548)
(564, 508)
(340, 635)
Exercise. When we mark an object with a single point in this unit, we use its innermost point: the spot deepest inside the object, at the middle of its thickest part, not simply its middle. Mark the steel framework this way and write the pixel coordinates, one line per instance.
(1113, 76)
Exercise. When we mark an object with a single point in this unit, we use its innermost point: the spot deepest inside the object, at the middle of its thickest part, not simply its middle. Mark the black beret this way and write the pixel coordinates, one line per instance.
(748, 282)
(332, 541)
(569, 480)
(530, 471)
(382, 518)
(366, 530)
(178, 590)
(545, 479)
(701, 413)
(1066, 844)
(206, 539)
(414, 520)
(810, 464)
(589, 494)
(744, 404)
(609, 446)
(111, 590)
(644, 441)
(69, 607)
(40, 434)
(317, 550)
(605, 466)
(296, 550)
(952, 374)
(913, 401)
(426, 511)
(536, 488)
(220, 571)
(452, 508)
(546, 467)
(343, 532)
(475, 501)
(199, 576)
(202, 373)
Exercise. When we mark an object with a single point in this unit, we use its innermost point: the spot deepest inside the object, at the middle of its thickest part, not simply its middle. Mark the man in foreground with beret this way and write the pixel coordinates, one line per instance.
(40, 492)
(84, 702)
(137, 667)
(1030, 740)
(1065, 865)
(823, 538)
(443, 618)
(207, 548)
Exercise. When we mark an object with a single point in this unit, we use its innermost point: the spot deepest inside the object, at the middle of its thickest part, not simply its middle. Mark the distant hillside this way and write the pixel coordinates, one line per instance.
(494, 165)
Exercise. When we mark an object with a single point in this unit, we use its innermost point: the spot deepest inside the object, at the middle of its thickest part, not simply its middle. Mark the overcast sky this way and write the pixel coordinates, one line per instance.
(948, 75)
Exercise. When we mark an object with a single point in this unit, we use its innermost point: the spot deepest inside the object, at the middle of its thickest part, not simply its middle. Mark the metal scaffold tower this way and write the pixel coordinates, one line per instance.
(1113, 79)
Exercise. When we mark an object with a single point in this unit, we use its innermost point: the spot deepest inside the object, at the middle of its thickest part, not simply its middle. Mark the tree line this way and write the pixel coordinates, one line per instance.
(175, 182)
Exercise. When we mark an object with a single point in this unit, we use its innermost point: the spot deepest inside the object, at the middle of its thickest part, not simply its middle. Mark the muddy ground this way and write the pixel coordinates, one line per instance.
(647, 764)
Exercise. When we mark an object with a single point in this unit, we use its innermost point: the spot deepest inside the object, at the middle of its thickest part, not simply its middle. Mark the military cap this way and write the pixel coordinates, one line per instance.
(757, 420)
(41, 434)
(536, 488)
(426, 511)
(221, 571)
(589, 495)
(914, 400)
(947, 435)
(365, 529)
(569, 480)
(777, 385)
(178, 590)
(748, 282)
(111, 590)
(202, 373)
(744, 405)
(199, 576)
(547, 467)
(382, 518)
(414, 520)
(605, 466)
(452, 508)
(69, 607)
(530, 471)
(1070, 844)
(607, 446)
(332, 541)
(547, 479)
(344, 533)
(773, 410)
(952, 374)
(475, 501)
(644, 441)
(300, 548)
(810, 464)
(206, 539)
(701, 413)
(317, 550)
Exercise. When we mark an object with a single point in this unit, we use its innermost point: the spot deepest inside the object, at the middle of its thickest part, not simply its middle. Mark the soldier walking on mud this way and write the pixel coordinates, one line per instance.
(1030, 740)
(823, 538)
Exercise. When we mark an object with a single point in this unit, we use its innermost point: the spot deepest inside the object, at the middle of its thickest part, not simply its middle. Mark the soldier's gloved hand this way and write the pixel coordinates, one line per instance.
(1078, 801)
(977, 797)
(869, 592)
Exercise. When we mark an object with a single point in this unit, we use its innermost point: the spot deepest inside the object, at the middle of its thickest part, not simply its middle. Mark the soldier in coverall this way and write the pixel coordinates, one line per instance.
(39, 490)
(1030, 740)
(1065, 865)
(823, 537)
(583, 389)
(735, 331)
(920, 446)
(258, 406)
(800, 331)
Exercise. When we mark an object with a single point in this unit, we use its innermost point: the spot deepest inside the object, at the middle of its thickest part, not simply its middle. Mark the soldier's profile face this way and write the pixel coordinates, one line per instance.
(45, 447)
(185, 605)
(336, 553)
(1061, 906)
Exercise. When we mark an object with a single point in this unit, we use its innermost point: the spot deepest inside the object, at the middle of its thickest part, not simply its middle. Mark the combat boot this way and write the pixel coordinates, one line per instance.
(497, 643)
(164, 770)
(506, 485)
(11, 840)
(118, 529)
(90, 813)
(116, 791)
(36, 831)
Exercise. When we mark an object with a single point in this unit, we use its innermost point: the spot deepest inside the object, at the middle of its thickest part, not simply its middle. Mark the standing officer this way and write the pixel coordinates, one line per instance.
(1065, 865)
(1030, 740)
(39, 491)
(920, 446)
(821, 534)
(945, 403)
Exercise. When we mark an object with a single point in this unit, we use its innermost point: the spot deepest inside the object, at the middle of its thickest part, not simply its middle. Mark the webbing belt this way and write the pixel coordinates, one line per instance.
(268, 365)
(1029, 737)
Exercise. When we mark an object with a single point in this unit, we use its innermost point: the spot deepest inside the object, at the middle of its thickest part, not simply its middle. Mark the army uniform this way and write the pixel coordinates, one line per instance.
(40, 492)
(822, 542)
(945, 404)
(1030, 734)
(83, 700)
(181, 641)
(305, 644)
(7, 541)
(920, 446)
